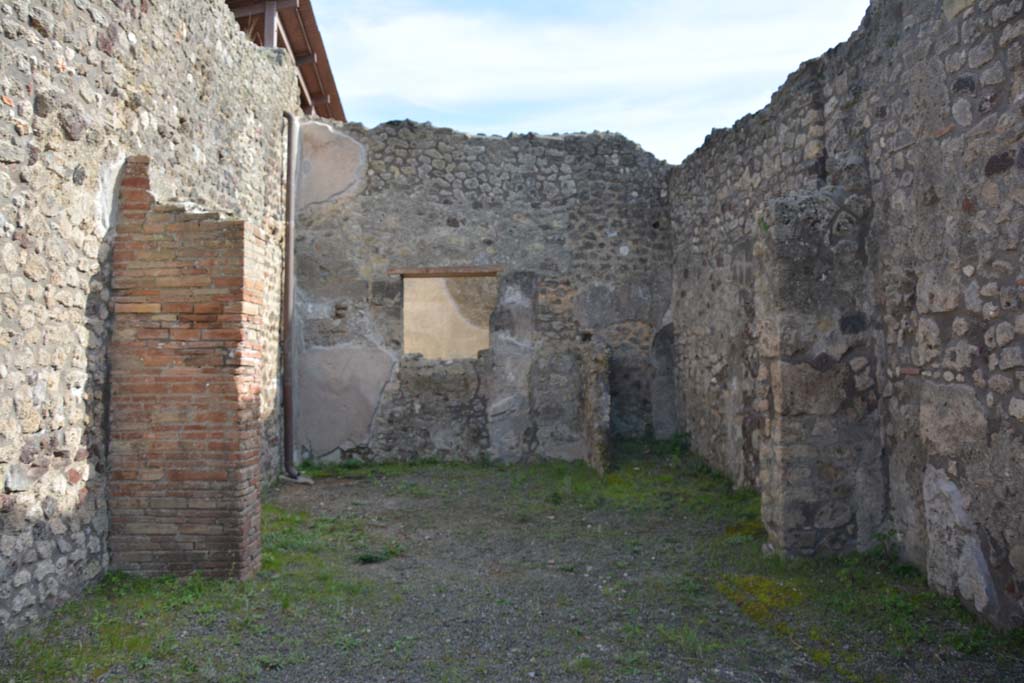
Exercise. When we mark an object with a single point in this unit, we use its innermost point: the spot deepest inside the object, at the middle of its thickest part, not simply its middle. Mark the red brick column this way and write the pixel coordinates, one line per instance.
(185, 387)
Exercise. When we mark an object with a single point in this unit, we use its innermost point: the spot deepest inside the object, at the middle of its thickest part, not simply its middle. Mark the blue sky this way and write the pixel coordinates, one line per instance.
(662, 72)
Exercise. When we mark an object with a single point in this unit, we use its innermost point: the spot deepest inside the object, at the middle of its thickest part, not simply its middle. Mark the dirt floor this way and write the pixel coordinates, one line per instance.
(537, 573)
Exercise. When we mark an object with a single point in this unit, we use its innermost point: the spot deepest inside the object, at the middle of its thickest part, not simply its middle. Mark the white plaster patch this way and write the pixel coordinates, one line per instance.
(956, 561)
(339, 391)
(104, 204)
(332, 165)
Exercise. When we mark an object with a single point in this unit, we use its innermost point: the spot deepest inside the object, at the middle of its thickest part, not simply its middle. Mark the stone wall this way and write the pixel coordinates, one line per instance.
(821, 470)
(431, 409)
(839, 275)
(717, 198)
(857, 246)
(83, 86)
(576, 224)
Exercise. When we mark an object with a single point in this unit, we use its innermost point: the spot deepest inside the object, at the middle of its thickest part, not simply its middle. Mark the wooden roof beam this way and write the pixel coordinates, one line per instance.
(451, 271)
(295, 19)
(260, 8)
(302, 81)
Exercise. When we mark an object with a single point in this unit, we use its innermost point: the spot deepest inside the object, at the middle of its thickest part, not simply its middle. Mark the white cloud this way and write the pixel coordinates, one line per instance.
(646, 72)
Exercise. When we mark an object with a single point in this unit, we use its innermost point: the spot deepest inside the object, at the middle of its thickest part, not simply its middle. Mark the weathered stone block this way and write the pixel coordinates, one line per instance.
(956, 563)
(1016, 408)
(951, 8)
(938, 290)
(953, 420)
(556, 390)
(1011, 357)
(21, 477)
(800, 389)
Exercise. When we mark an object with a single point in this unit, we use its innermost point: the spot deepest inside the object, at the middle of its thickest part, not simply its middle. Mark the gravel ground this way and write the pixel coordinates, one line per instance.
(540, 573)
(498, 581)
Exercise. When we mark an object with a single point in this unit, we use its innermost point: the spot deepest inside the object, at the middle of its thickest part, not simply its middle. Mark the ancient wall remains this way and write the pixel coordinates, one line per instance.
(829, 294)
(577, 227)
(847, 293)
(83, 86)
(186, 362)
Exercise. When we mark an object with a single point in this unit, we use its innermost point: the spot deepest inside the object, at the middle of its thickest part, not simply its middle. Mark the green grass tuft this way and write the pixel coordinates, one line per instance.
(131, 628)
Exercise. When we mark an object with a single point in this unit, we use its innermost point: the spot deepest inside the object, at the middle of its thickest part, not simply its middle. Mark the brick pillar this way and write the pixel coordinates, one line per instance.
(185, 386)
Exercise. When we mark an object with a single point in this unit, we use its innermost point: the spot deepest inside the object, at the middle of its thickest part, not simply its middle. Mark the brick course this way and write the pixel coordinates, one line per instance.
(186, 367)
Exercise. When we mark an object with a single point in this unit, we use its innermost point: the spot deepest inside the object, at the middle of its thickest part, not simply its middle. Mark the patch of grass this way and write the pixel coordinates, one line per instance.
(630, 450)
(347, 469)
(583, 665)
(297, 532)
(749, 528)
(303, 558)
(687, 585)
(348, 641)
(690, 641)
(834, 607)
(763, 599)
(879, 592)
(522, 518)
(634, 661)
(414, 489)
(358, 469)
(648, 476)
(376, 556)
(167, 629)
(840, 609)
(402, 647)
(683, 590)
(125, 625)
(636, 657)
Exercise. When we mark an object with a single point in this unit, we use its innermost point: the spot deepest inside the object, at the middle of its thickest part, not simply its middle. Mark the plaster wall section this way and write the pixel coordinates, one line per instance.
(447, 318)
(582, 217)
(885, 180)
(84, 85)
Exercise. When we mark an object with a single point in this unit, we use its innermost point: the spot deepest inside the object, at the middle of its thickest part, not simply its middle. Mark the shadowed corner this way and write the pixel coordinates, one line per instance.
(53, 506)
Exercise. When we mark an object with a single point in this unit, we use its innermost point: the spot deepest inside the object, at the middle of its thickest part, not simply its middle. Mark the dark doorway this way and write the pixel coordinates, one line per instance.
(664, 416)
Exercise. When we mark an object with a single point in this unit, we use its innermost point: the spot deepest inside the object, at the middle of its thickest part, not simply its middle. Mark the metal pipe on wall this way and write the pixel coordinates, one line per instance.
(290, 469)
